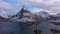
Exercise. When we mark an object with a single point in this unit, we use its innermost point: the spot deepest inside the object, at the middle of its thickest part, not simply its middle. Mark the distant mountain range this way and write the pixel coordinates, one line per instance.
(24, 15)
(43, 14)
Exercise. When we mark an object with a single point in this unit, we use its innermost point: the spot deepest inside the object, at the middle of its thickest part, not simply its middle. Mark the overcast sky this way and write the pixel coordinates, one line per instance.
(52, 6)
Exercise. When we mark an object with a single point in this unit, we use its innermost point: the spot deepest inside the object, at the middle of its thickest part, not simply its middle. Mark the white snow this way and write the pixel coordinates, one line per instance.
(43, 14)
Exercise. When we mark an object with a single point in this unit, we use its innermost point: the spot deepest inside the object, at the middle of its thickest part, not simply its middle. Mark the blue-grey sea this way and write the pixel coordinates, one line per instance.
(10, 28)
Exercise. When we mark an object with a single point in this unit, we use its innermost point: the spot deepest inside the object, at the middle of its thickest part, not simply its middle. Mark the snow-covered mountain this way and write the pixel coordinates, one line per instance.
(43, 14)
(23, 16)
(5, 13)
(2, 19)
(58, 14)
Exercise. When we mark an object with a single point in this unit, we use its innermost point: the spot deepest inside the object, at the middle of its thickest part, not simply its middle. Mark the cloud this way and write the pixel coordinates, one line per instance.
(50, 5)
(5, 8)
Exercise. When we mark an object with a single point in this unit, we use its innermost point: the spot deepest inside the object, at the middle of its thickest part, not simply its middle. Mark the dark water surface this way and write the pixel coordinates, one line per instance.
(10, 28)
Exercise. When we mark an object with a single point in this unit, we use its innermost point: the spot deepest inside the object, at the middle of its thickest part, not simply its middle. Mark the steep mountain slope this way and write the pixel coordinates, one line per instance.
(22, 16)
(2, 19)
(44, 14)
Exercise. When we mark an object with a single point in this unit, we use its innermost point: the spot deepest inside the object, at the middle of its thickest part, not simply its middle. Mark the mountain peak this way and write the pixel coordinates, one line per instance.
(24, 10)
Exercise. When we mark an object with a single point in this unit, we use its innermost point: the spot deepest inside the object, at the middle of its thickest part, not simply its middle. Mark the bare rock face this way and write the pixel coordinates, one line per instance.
(55, 23)
(23, 16)
(55, 31)
(2, 19)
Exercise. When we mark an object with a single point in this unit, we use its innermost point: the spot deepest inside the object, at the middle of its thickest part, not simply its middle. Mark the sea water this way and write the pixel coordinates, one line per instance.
(10, 28)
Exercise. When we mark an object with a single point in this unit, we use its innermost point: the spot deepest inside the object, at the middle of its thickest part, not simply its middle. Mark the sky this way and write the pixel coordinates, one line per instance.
(51, 6)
